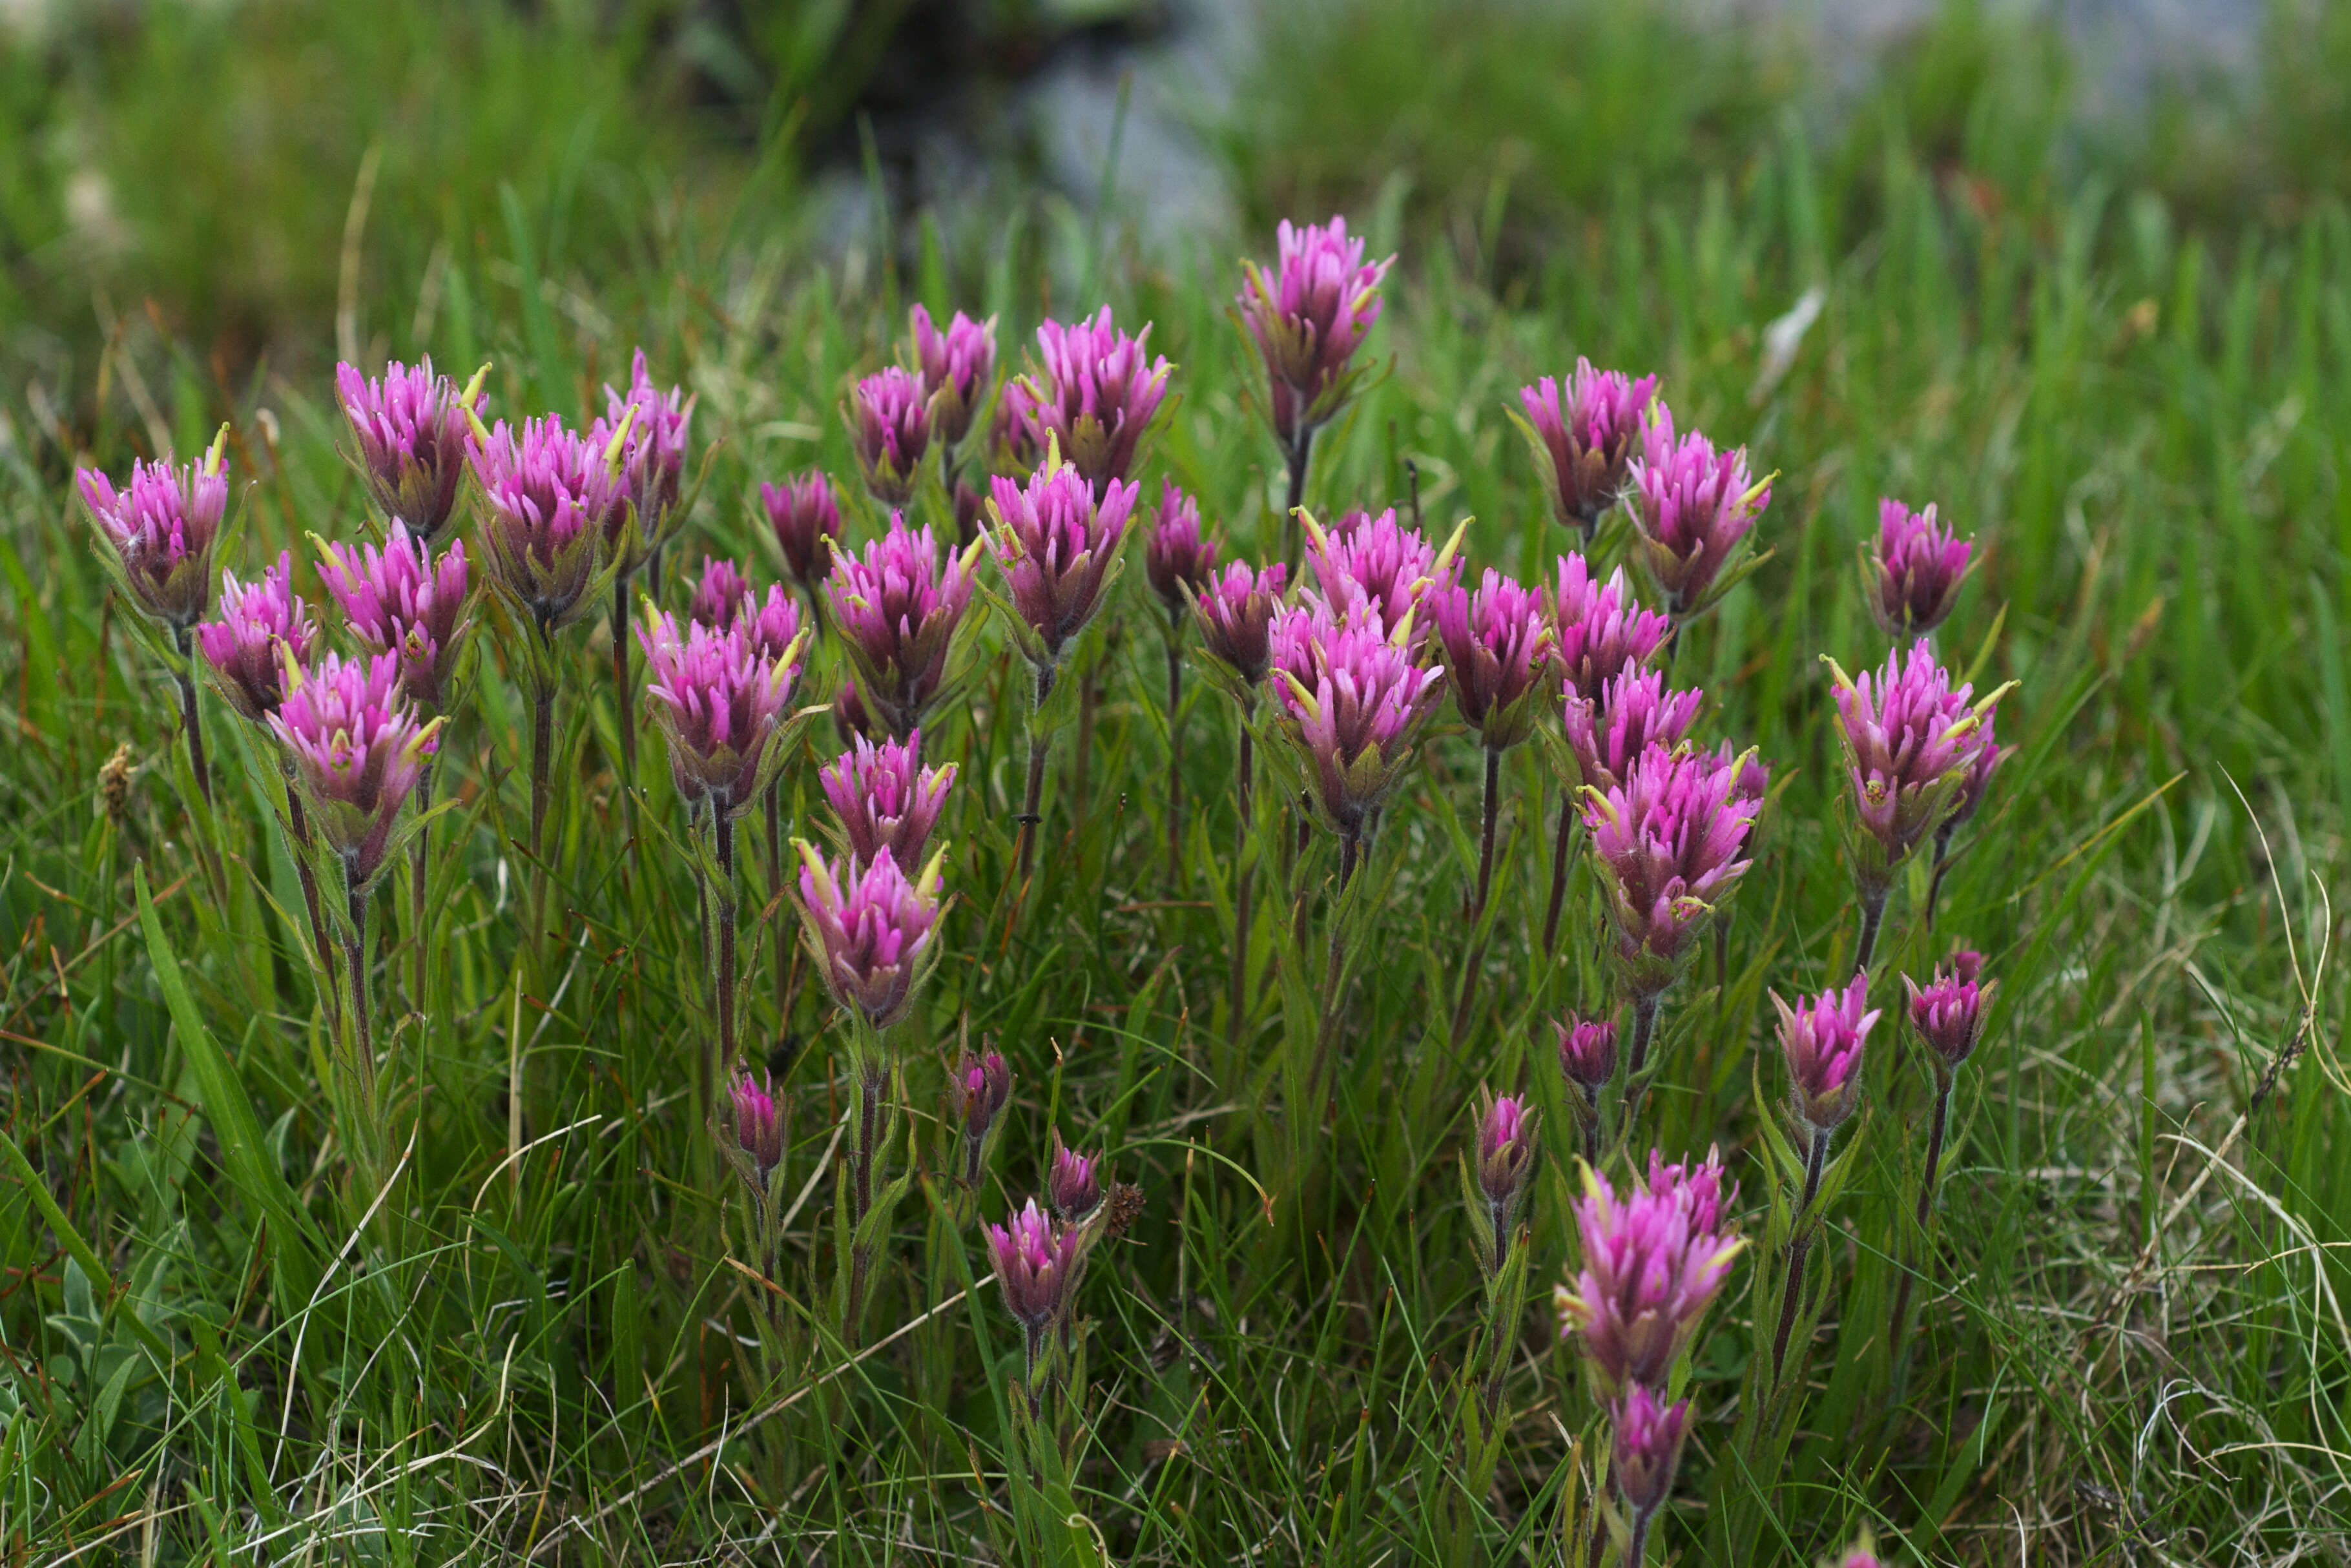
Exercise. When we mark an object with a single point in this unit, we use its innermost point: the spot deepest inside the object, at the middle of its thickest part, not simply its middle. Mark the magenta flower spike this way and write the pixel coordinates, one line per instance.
(1350, 699)
(1912, 577)
(1094, 393)
(957, 365)
(650, 425)
(1234, 610)
(411, 429)
(1058, 549)
(869, 931)
(1693, 507)
(1035, 1263)
(720, 594)
(885, 797)
(1652, 1263)
(160, 531)
(897, 611)
(1178, 558)
(1310, 314)
(891, 433)
(262, 625)
(1381, 563)
(549, 494)
(1582, 441)
(357, 749)
(978, 1088)
(1649, 1435)
(1666, 842)
(806, 521)
(757, 1125)
(1634, 711)
(1820, 1040)
(1072, 1185)
(402, 599)
(1600, 628)
(719, 703)
(1505, 1168)
(1498, 652)
(1970, 796)
(1948, 1013)
(1912, 743)
(1587, 1053)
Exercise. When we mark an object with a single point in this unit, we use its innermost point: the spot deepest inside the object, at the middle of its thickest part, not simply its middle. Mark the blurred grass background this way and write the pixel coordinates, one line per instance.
(2121, 352)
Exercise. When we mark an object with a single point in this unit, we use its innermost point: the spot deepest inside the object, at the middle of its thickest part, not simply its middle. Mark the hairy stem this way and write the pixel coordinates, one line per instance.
(1926, 1207)
(1243, 876)
(417, 874)
(362, 1034)
(1816, 1151)
(1300, 453)
(1031, 816)
(1942, 863)
(297, 830)
(723, 919)
(1559, 864)
(1490, 817)
(1174, 754)
(1637, 1550)
(1327, 1030)
(191, 715)
(542, 762)
(1873, 916)
(873, 1074)
(772, 807)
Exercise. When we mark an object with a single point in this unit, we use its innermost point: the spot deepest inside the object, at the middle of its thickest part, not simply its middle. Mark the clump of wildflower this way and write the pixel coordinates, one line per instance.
(1600, 628)
(1912, 577)
(1666, 841)
(1072, 1184)
(1057, 547)
(1948, 1013)
(159, 532)
(869, 931)
(1037, 1266)
(1648, 1451)
(1350, 699)
(897, 610)
(720, 704)
(549, 496)
(806, 521)
(891, 433)
(357, 749)
(1093, 395)
(1587, 1053)
(1498, 652)
(1634, 710)
(1582, 442)
(1652, 1263)
(1821, 1041)
(650, 427)
(1912, 742)
(1504, 1169)
(411, 429)
(263, 625)
(1234, 610)
(1693, 507)
(1178, 558)
(957, 365)
(1381, 563)
(885, 799)
(403, 600)
(758, 1129)
(978, 1088)
(1308, 315)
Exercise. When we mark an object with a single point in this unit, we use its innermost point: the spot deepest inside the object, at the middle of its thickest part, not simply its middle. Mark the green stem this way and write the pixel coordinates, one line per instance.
(191, 715)
(1489, 817)
(1031, 818)
(1243, 875)
(1816, 1151)
(416, 875)
(1174, 755)
(1559, 865)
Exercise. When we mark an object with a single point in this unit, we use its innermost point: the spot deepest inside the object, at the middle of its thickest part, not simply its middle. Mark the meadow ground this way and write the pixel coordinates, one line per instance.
(549, 1335)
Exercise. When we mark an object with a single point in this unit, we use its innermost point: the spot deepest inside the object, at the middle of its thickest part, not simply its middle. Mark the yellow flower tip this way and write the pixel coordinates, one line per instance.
(620, 440)
(1053, 453)
(1305, 698)
(481, 431)
(933, 877)
(1402, 636)
(1758, 487)
(1985, 705)
(809, 858)
(218, 453)
(1837, 678)
(473, 389)
(1314, 534)
(1452, 548)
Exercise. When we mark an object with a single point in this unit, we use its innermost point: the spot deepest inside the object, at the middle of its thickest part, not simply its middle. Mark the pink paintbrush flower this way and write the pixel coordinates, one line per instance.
(897, 611)
(1057, 547)
(1234, 610)
(1820, 1038)
(403, 600)
(549, 494)
(1498, 652)
(1912, 742)
(159, 532)
(1652, 1263)
(1582, 441)
(1178, 558)
(1913, 576)
(1634, 710)
(1094, 393)
(957, 367)
(1310, 314)
(885, 799)
(1382, 564)
(1666, 842)
(262, 625)
(1599, 627)
(357, 749)
(1587, 1053)
(869, 931)
(651, 456)
(719, 594)
(1693, 507)
(1948, 1013)
(1350, 699)
(719, 701)
(806, 521)
(410, 430)
(891, 433)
